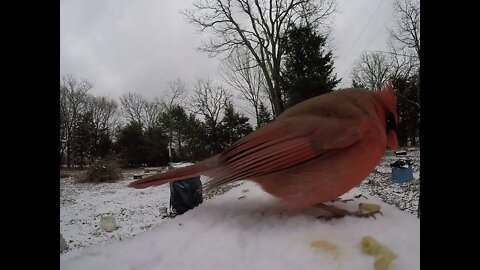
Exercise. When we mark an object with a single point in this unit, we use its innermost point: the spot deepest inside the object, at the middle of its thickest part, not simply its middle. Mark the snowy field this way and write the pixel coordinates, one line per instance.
(83, 204)
(249, 229)
(136, 211)
(405, 196)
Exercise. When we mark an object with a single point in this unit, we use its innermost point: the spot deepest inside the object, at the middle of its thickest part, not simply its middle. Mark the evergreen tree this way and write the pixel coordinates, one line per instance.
(84, 140)
(264, 116)
(104, 145)
(131, 145)
(308, 69)
(195, 139)
(156, 147)
(233, 127)
(357, 84)
(185, 133)
(173, 121)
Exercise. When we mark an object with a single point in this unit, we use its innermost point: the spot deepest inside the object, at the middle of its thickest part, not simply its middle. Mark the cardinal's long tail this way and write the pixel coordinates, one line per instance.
(203, 167)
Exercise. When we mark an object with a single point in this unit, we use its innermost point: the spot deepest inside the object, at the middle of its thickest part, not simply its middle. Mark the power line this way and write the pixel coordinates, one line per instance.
(365, 27)
(372, 40)
(393, 53)
(379, 30)
(361, 32)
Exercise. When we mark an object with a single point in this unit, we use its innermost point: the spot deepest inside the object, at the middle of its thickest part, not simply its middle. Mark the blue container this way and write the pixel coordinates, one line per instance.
(402, 175)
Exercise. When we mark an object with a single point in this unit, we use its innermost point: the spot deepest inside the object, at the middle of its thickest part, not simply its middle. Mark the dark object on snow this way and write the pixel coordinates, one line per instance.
(163, 211)
(185, 194)
(401, 153)
(137, 176)
(63, 244)
(402, 171)
(401, 163)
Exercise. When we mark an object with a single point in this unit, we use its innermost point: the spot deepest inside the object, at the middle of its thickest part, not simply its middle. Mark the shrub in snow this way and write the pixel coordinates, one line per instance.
(105, 170)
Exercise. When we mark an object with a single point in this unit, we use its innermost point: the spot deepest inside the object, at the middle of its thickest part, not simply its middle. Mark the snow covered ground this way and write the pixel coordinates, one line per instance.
(137, 211)
(247, 228)
(83, 204)
(403, 195)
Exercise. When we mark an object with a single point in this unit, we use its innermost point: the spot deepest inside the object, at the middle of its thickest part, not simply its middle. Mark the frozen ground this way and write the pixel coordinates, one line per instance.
(82, 206)
(136, 211)
(405, 195)
(247, 228)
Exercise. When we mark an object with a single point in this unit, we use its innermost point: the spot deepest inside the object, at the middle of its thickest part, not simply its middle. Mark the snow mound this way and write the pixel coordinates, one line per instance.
(247, 228)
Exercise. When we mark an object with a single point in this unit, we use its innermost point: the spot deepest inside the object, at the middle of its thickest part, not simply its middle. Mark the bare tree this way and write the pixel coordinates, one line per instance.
(135, 108)
(371, 70)
(407, 29)
(104, 112)
(257, 25)
(176, 95)
(152, 112)
(72, 105)
(402, 65)
(209, 101)
(132, 107)
(405, 43)
(104, 119)
(242, 74)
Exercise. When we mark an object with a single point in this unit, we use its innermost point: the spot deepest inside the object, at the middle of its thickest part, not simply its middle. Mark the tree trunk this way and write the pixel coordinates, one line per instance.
(277, 101)
(69, 155)
(413, 129)
(276, 86)
(257, 116)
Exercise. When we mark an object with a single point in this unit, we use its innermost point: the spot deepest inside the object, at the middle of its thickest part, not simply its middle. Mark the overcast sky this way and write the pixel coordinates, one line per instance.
(139, 46)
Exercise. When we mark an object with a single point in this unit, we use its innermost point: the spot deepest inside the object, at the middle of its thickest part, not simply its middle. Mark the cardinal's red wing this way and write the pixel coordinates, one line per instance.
(285, 144)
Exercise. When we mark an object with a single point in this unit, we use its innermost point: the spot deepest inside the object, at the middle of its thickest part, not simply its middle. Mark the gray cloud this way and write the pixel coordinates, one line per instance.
(139, 46)
(130, 46)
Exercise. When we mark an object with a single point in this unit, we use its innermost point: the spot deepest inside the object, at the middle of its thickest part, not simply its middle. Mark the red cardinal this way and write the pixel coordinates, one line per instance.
(312, 153)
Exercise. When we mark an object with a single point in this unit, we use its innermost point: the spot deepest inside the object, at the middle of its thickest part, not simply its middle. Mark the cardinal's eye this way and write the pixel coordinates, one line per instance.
(391, 122)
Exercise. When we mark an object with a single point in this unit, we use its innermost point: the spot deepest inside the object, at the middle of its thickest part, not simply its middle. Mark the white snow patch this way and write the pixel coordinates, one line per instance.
(256, 232)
